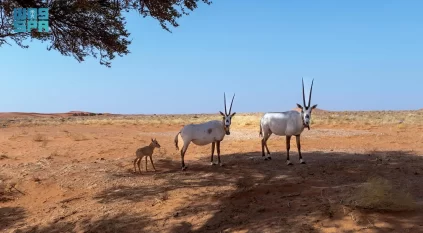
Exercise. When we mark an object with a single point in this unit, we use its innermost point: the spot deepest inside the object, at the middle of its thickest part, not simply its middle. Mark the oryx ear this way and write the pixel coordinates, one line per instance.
(221, 113)
(233, 114)
(299, 105)
(314, 106)
(152, 140)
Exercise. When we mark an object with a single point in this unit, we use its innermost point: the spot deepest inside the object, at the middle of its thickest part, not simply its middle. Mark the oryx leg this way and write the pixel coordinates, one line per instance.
(288, 146)
(139, 164)
(212, 153)
(218, 153)
(183, 151)
(264, 144)
(135, 167)
(146, 163)
(151, 160)
(299, 149)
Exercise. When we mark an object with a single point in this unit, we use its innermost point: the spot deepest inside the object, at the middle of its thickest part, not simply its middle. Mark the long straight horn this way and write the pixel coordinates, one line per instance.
(230, 109)
(303, 94)
(224, 99)
(309, 97)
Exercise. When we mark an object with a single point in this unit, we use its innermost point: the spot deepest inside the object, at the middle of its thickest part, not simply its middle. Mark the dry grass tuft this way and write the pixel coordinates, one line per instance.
(36, 179)
(379, 194)
(54, 153)
(78, 137)
(39, 138)
(403, 119)
(163, 196)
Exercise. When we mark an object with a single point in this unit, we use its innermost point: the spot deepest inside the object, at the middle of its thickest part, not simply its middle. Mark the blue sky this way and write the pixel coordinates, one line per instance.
(363, 55)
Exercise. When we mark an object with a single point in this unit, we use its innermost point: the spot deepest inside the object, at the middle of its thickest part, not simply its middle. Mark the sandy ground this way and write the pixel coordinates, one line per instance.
(75, 177)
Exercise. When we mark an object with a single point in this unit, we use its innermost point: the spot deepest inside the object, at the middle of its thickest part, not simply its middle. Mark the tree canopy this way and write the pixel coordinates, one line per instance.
(84, 28)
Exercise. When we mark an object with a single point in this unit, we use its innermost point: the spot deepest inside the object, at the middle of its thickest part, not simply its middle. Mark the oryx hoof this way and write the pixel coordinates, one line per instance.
(269, 158)
(184, 168)
(302, 161)
(289, 163)
(221, 164)
(212, 163)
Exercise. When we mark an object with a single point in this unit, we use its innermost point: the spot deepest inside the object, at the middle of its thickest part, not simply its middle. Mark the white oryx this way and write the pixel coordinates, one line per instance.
(289, 123)
(205, 133)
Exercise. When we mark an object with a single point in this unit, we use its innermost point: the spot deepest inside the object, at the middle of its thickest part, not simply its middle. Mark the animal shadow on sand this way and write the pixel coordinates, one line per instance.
(10, 216)
(120, 222)
(271, 196)
(266, 196)
(286, 196)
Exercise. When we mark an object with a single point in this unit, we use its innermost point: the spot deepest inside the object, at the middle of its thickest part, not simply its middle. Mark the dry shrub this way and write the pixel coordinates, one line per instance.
(379, 194)
(44, 143)
(244, 183)
(78, 137)
(24, 132)
(39, 138)
(54, 153)
(163, 196)
(36, 179)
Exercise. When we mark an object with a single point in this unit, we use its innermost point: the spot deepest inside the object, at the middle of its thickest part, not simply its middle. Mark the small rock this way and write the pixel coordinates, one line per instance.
(176, 214)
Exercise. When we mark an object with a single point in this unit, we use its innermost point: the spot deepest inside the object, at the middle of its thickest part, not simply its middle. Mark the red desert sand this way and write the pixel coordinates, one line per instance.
(72, 173)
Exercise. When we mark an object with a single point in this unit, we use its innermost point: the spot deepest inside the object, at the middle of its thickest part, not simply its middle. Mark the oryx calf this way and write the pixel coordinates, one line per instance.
(146, 151)
(289, 123)
(205, 133)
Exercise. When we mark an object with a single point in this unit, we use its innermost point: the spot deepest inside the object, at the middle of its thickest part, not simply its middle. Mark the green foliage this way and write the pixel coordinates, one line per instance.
(96, 28)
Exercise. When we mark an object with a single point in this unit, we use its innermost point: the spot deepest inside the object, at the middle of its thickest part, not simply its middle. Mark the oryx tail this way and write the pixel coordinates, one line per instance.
(176, 140)
(261, 131)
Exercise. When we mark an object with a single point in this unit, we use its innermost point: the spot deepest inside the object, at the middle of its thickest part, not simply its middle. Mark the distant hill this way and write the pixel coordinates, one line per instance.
(34, 114)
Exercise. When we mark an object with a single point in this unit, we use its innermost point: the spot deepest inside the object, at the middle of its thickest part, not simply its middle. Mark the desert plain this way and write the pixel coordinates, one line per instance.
(74, 173)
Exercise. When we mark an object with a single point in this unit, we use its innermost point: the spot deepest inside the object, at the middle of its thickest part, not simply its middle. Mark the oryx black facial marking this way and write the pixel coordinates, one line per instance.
(205, 133)
(289, 123)
(227, 117)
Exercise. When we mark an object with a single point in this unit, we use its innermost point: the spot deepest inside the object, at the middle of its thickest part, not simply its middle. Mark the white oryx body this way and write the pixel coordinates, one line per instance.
(282, 123)
(289, 123)
(205, 133)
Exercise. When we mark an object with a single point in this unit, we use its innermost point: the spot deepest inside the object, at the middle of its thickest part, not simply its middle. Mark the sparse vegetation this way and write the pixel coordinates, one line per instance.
(101, 172)
(54, 153)
(39, 138)
(399, 119)
(36, 179)
(78, 137)
(44, 143)
(379, 194)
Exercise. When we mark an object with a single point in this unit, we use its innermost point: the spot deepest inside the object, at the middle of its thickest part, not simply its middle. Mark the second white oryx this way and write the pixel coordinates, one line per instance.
(205, 133)
(289, 123)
